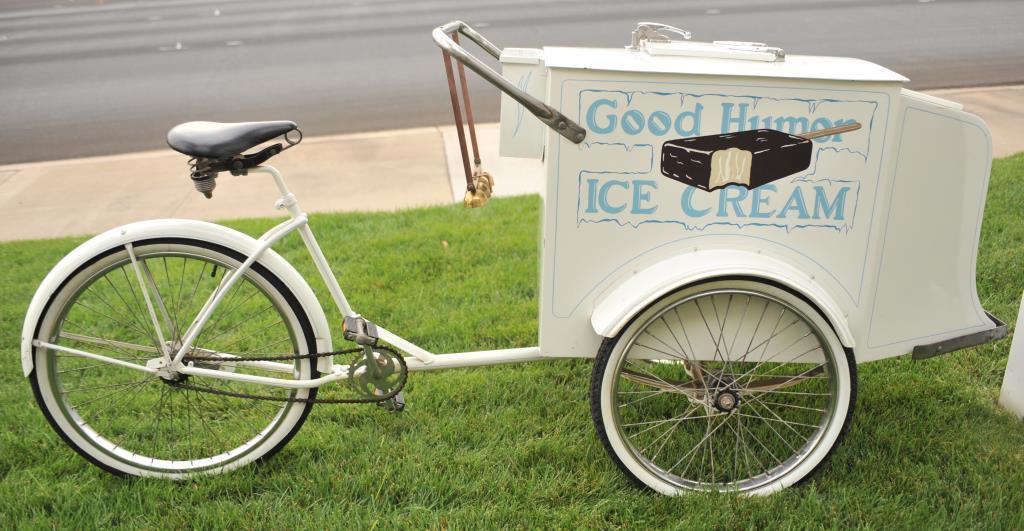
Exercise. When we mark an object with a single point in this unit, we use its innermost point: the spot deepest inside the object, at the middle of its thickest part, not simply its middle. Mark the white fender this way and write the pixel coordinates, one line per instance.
(634, 294)
(173, 228)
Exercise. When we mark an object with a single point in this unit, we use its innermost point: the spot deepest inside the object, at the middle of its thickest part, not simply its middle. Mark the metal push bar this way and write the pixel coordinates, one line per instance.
(545, 113)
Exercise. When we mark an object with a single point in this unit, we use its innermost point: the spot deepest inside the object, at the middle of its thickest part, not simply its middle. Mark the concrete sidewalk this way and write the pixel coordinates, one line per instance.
(373, 171)
(359, 172)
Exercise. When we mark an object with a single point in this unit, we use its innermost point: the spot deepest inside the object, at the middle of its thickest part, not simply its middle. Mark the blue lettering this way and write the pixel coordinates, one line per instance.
(640, 196)
(832, 210)
(602, 197)
(844, 121)
(632, 122)
(757, 201)
(592, 122)
(795, 202)
(659, 122)
(687, 203)
(793, 125)
(591, 196)
(724, 198)
(727, 118)
(819, 124)
(735, 117)
(694, 116)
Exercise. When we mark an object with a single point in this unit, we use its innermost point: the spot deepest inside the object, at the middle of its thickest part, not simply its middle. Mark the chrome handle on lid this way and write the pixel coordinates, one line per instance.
(655, 39)
(760, 47)
(653, 32)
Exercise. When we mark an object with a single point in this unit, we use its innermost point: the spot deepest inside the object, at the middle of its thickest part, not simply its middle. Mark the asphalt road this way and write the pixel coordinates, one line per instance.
(89, 77)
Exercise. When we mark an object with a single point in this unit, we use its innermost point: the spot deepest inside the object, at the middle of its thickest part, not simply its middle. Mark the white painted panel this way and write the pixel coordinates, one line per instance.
(611, 211)
(522, 134)
(925, 290)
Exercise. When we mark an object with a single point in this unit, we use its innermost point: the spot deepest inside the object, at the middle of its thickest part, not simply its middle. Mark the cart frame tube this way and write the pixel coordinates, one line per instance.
(420, 359)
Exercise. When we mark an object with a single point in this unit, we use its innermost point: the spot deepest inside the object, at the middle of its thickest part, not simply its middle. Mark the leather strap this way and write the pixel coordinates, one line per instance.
(453, 91)
(469, 108)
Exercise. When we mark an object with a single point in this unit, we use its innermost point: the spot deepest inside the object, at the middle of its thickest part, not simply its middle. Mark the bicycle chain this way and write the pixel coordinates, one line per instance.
(377, 399)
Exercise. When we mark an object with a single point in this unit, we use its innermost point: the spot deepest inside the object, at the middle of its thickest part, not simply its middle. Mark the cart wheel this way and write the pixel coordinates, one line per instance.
(724, 386)
(134, 423)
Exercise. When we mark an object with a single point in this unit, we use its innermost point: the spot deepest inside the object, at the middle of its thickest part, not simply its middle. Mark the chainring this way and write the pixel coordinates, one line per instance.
(382, 380)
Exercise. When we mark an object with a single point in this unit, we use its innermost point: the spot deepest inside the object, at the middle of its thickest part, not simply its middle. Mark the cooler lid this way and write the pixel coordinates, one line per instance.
(726, 62)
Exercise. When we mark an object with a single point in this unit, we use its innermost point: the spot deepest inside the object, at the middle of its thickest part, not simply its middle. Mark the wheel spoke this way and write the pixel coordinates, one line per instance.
(657, 422)
(676, 339)
(116, 345)
(228, 309)
(700, 443)
(148, 275)
(662, 381)
(130, 387)
(654, 394)
(697, 370)
(678, 356)
(130, 318)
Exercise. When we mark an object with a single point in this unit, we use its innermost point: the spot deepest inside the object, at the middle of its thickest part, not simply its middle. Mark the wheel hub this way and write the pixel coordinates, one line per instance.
(165, 372)
(726, 400)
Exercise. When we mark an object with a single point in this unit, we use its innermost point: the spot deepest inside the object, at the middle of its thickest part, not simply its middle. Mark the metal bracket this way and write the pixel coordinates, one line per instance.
(922, 352)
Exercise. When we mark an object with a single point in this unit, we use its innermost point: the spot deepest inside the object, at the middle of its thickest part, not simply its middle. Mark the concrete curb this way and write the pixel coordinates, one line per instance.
(512, 176)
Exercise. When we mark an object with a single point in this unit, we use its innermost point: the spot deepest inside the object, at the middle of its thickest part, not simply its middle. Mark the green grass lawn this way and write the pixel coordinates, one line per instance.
(514, 446)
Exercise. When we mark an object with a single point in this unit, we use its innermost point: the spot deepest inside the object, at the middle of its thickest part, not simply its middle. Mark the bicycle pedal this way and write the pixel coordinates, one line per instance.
(394, 404)
(360, 331)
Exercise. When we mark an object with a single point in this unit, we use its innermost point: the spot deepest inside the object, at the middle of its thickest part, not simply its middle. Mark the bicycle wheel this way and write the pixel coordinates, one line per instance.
(725, 386)
(138, 423)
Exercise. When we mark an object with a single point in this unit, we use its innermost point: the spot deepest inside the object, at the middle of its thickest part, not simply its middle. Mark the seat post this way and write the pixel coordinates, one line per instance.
(287, 199)
(289, 202)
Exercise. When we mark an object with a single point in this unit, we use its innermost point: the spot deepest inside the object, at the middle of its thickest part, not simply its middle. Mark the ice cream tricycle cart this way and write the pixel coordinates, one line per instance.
(727, 230)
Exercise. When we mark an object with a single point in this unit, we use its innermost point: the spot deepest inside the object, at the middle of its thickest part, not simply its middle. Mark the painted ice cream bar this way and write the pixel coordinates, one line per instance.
(748, 158)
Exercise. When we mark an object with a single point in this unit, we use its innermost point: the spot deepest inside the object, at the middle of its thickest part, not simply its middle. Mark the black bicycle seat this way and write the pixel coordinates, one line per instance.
(215, 140)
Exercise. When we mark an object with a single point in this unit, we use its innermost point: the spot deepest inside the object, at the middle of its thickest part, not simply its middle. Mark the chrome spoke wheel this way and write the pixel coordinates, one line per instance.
(731, 385)
(143, 423)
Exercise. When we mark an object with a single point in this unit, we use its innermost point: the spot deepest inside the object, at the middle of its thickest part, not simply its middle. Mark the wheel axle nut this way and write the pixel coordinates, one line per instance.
(726, 401)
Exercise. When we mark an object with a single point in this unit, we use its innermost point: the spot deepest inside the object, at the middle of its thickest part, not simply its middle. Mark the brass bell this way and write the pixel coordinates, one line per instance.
(484, 184)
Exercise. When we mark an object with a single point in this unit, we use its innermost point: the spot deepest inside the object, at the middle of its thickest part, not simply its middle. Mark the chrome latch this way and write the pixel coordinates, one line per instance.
(652, 32)
(757, 47)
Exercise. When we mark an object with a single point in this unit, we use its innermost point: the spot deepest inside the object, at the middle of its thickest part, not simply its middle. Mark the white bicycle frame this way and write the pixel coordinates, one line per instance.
(419, 359)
